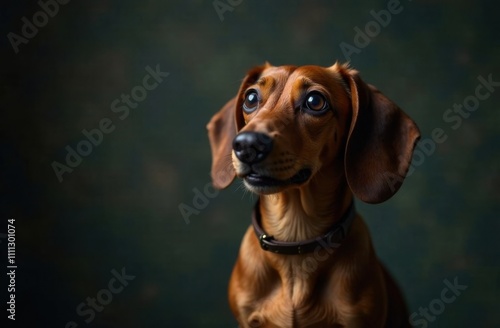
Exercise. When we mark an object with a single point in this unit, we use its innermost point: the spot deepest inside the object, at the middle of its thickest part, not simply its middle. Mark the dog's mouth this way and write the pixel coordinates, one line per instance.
(265, 184)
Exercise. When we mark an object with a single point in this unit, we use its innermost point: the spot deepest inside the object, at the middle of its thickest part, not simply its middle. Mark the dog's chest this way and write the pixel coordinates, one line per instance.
(294, 302)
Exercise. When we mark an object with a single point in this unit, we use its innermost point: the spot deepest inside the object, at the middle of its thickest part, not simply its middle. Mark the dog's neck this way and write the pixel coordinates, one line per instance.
(302, 213)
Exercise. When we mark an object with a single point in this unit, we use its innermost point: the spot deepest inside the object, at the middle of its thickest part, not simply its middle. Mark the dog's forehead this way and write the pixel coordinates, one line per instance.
(316, 75)
(302, 76)
(275, 75)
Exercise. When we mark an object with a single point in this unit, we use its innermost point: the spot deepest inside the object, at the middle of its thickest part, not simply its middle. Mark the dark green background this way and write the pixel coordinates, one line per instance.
(119, 208)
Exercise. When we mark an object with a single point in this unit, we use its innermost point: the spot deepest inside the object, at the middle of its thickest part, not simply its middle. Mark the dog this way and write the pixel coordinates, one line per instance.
(308, 140)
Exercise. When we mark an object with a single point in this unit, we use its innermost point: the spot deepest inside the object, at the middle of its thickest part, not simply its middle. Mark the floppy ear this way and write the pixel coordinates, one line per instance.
(221, 132)
(380, 142)
(222, 129)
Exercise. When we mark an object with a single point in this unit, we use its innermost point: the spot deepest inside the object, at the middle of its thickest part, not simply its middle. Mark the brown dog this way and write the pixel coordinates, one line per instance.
(307, 139)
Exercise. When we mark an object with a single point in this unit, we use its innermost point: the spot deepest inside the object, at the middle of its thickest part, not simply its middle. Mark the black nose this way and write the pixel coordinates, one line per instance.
(252, 147)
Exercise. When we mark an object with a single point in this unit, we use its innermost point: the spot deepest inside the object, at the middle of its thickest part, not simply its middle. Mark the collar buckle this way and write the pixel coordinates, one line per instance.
(264, 241)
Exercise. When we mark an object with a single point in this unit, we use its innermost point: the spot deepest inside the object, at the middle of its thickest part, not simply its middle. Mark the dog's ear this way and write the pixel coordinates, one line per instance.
(222, 129)
(221, 132)
(380, 143)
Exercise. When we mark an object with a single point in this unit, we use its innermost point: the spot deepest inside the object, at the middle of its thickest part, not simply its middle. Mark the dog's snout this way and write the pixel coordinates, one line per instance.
(252, 147)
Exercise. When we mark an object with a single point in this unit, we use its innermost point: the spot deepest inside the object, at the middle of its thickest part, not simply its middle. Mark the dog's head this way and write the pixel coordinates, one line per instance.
(287, 123)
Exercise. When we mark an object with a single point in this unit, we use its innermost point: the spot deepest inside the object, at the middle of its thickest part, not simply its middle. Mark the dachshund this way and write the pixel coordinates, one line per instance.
(308, 140)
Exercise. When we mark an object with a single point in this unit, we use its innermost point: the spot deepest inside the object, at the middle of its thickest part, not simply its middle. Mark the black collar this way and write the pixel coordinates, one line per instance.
(331, 239)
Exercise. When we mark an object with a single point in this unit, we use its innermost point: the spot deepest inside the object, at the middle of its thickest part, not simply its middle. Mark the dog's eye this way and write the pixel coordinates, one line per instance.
(316, 102)
(251, 102)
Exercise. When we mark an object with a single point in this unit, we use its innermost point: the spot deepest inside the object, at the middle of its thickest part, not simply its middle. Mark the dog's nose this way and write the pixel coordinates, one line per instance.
(252, 147)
